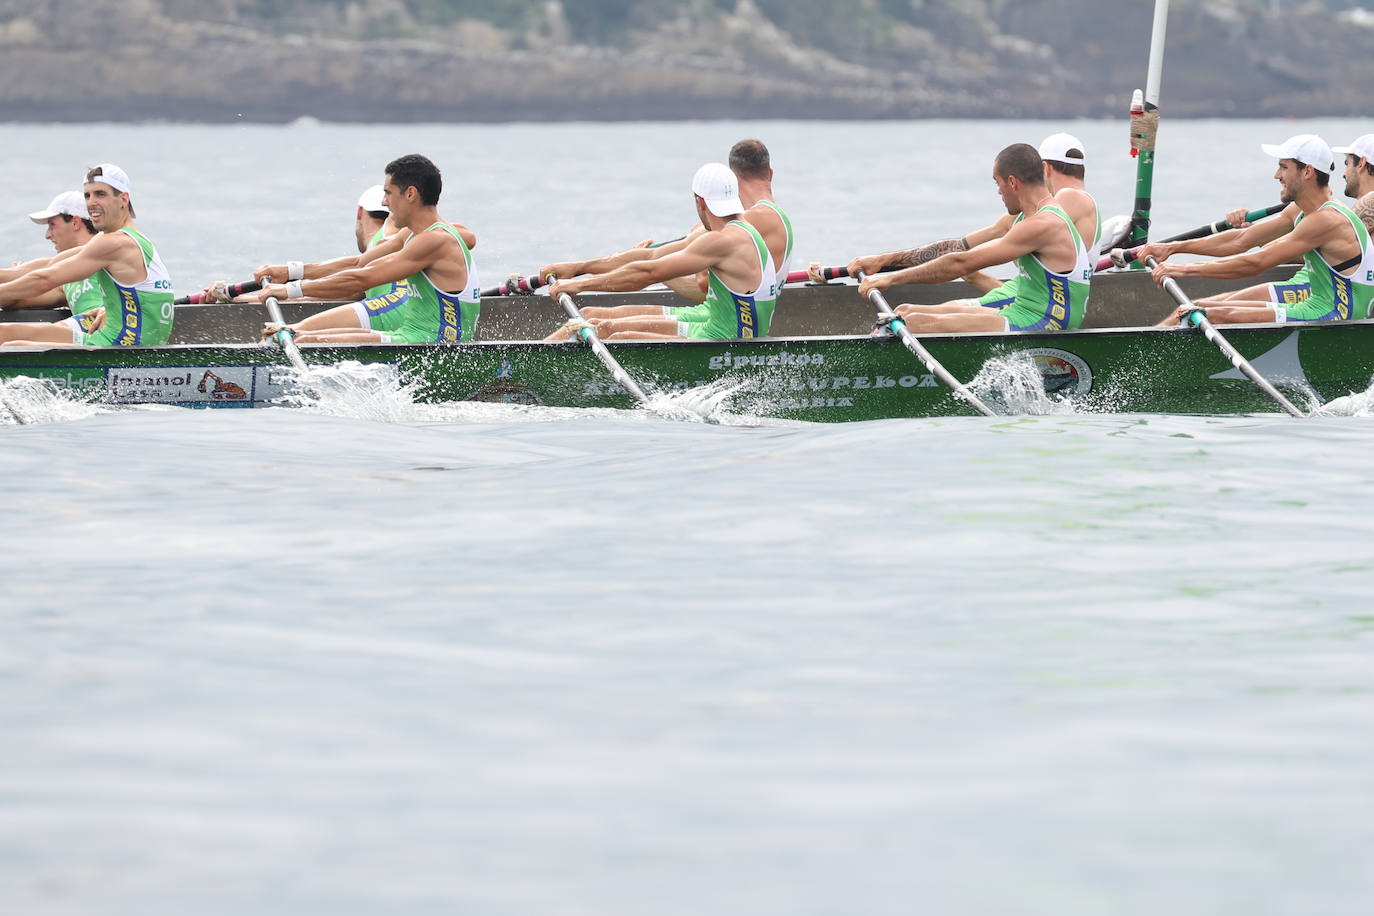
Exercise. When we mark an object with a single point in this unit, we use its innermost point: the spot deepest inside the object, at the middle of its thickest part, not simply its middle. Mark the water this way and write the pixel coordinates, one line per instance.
(369, 656)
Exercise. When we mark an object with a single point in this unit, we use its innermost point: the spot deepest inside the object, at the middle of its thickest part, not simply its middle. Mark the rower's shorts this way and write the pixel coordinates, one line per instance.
(80, 326)
(1294, 290)
(385, 313)
(1309, 309)
(698, 312)
(998, 298)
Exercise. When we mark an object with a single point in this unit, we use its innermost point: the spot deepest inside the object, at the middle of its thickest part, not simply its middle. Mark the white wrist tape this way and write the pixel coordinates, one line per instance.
(295, 270)
(293, 290)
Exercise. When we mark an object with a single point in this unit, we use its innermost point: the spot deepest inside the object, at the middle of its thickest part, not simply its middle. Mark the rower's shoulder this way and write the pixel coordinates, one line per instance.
(1364, 209)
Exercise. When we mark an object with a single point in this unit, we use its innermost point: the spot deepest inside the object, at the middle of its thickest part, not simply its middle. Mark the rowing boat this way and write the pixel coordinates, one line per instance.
(1119, 299)
(828, 379)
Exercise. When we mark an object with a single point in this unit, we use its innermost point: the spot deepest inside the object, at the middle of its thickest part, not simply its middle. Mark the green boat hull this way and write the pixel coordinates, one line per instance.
(826, 379)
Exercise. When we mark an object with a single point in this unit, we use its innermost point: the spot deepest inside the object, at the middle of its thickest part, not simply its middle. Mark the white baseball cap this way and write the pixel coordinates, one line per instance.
(1360, 148)
(1309, 149)
(68, 203)
(371, 199)
(113, 176)
(718, 186)
(1056, 147)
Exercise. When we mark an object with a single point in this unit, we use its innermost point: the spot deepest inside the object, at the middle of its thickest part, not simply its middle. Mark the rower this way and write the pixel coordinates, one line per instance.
(1359, 177)
(68, 226)
(120, 263)
(742, 276)
(752, 166)
(436, 296)
(1064, 169)
(1056, 266)
(1337, 278)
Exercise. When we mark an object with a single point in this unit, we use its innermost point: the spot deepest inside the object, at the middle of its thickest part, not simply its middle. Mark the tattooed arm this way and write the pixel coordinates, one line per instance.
(1364, 209)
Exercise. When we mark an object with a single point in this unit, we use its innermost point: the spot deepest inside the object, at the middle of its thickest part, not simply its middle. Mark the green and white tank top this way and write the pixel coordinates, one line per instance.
(1058, 300)
(743, 315)
(138, 315)
(782, 269)
(383, 289)
(1349, 296)
(83, 295)
(436, 316)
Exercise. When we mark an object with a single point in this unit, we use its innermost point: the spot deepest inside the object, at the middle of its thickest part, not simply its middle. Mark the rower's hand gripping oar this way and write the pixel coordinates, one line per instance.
(1198, 318)
(897, 326)
(588, 336)
(284, 337)
(225, 292)
(1124, 257)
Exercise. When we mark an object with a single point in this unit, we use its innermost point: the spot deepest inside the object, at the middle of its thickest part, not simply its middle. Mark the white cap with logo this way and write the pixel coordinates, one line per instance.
(68, 203)
(371, 199)
(113, 176)
(1360, 148)
(1057, 147)
(718, 186)
(1309, 149)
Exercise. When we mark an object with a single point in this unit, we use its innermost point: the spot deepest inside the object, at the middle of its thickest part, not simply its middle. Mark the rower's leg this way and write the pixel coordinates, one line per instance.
(36, 331)
(339, 335)
(642, 335)
(957, 307)
(340, 316)
(935, 322)
(1235, 311)
(621, 311)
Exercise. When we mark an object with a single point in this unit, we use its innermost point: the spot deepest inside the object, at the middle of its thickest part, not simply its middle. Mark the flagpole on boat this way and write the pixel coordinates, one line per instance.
(1198, 318)
(1145, 128)
(897, 326)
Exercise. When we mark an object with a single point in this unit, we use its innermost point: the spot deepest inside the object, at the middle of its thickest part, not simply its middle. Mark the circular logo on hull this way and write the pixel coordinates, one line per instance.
(1064, 373)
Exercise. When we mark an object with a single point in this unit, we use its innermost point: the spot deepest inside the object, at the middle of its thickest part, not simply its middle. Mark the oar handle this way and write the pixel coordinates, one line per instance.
(515, 286)
(1198, 318)
(230, 291)
(588, 336)
(825, 273)
(898, 326)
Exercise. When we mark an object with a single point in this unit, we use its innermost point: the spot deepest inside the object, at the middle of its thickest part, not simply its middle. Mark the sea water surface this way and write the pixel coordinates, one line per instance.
(371, 656)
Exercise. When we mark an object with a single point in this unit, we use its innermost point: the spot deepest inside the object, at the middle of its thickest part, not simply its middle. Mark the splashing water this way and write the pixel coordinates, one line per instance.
(25, 400)
(1014, 385)
(703, 404)
(1359, 404)
(361, 391)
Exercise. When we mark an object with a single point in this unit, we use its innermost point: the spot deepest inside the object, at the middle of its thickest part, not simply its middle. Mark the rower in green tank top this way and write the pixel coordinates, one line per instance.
(740, 266)
(68, 226)
(121, 265)
(752, 166)
(427, 259)
(1330, 239)
(1050, 247)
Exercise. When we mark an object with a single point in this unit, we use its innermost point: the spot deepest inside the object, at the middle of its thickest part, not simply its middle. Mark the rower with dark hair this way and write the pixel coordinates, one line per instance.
(751, 164)
(1359, 177)
(1064, 166)
(1055, 265)
(1337, 278)
(120, 264)
(68, 226)
(436, 289)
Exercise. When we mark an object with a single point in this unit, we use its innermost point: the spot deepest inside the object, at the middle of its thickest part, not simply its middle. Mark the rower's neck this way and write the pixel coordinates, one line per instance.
(1034, 199)
(1058, 182)
(754, 190)
(423, 219)
(127, 224)
(1310, 200)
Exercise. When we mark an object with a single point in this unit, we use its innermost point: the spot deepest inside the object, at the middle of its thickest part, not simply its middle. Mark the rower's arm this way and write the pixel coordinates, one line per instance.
(50, 299)
(569, 269)
(1228, 243)
(374, 270)
(702, 253)
(1023, 238)
(1311, 233)
(73, 264)
(276, 273)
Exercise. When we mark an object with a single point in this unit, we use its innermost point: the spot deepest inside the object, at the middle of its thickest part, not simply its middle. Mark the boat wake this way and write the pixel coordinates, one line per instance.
(1360, 404)
(703, 404)
(25, 401)
(359, 391)
(1015, 386)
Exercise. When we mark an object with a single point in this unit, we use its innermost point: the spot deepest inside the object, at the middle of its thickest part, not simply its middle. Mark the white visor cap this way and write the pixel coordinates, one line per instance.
(1360, 148)
(371, 199)
(1056, 147)
(68, 203)
(1309, 149)
(718, 186)
(113, 176)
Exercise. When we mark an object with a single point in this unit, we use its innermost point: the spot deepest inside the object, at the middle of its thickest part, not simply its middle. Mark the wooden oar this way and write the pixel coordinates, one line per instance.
(898, 326)
(230, 291)
(285, 337)
(588, 336)
(1199, 319)
(1220, 225)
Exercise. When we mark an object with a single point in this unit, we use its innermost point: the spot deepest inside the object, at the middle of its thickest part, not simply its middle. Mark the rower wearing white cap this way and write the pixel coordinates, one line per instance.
(1054, 263)
(743, 279)
(120, 262)
(1359, 177)
(68, 226)
(753, 168)
(1065, 163)
(1337, 279)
